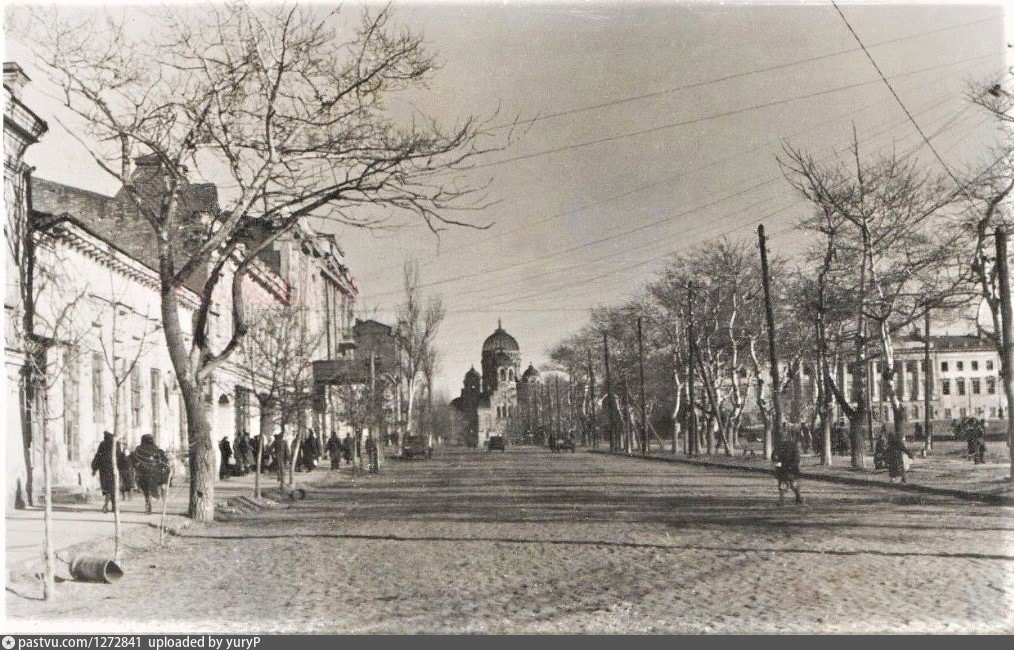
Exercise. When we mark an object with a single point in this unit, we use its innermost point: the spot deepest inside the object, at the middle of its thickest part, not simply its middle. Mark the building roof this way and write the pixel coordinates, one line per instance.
(472, 373)
(530, 374)
(499, 341)
(950, 342)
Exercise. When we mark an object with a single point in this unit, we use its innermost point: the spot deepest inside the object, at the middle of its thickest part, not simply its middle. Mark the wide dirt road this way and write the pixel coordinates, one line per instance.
(529, 541)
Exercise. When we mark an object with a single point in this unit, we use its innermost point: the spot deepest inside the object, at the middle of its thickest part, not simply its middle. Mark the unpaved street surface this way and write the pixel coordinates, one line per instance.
(529, 541)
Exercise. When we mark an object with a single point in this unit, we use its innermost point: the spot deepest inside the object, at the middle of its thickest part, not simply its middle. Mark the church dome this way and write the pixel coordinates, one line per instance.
(500, 340)
(531, 374)
(472, 373)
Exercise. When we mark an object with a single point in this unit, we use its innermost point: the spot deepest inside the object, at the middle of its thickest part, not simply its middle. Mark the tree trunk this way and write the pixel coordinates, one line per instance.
(1006, 338)
(201, 454)
(49, 576)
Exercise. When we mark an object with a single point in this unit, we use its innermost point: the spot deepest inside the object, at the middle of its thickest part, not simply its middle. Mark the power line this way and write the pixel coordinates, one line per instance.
(608, 199)
(626, 232)
(708, 118)
(656, 258)
(887, 83)
(730, 77)
(625, 193)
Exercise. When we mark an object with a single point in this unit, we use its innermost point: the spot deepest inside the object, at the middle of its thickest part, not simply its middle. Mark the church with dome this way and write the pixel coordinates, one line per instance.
(491, 403)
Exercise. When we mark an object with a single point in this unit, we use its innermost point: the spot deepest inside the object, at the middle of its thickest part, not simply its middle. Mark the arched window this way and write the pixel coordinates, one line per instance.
(510, 374)
(502, 375)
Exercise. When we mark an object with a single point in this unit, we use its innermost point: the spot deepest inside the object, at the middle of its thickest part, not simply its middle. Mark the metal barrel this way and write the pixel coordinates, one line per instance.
(90, 568)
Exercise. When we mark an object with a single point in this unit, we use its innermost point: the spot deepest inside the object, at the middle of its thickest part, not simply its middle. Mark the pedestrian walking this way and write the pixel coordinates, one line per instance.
(125, 466)
(281, 456)
(242, 452)
(372, 454)
(102, 463)
(151, 466)
(347, 448)
(880, 451)
(307, 452)
(226, 451)
(334, 450)
(894, 455)
(786, 459)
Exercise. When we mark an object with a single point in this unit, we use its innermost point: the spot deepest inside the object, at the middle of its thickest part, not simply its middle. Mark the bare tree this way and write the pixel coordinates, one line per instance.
(419, 318)
(277, 359)
(121, 362)
(292, 106)
(879, 215)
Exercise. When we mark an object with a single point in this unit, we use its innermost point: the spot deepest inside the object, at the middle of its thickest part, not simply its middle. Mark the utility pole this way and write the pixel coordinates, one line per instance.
(927, 387)
(691, 441)
(609, 395)
(776, 402)
(593, 429)
(640, 361)
(1007, 354)
(556, 385)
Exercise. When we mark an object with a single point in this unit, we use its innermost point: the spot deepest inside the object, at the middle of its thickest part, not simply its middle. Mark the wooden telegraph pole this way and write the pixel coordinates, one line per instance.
(1006, 316)
(927, 387)
(691, 436)
(609, 395)
(776, 403)
(640, 362)
(593, 429)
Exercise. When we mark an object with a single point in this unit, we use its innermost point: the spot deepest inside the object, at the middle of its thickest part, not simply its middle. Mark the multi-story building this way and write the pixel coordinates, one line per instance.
(101, 360)
(963, 376)
(22, 128)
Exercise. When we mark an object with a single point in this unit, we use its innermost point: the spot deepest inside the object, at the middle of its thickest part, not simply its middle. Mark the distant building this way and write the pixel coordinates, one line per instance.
(963, 376)
(489, 402)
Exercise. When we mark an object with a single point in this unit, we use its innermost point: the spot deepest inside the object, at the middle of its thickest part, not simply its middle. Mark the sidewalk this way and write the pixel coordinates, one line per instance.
(80, 526)
(945, 472)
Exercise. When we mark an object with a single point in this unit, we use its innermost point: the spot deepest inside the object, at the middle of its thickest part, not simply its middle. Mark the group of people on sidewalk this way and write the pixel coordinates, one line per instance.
(146, 468)
(240, 457)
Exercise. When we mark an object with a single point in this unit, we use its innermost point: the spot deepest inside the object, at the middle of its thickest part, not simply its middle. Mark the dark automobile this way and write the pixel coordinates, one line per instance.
(415, 447)
(497, 442)
(562, 444)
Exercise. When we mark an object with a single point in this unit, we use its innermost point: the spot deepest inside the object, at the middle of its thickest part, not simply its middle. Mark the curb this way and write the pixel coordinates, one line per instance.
(34, 567)
(997, 499)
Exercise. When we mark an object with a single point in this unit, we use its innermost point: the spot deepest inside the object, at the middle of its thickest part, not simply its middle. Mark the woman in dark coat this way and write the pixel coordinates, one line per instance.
(103, 464)
(334, 450)
(125, 466)
(894, 455)
(226, 450)
(785, 456)
(152, 468)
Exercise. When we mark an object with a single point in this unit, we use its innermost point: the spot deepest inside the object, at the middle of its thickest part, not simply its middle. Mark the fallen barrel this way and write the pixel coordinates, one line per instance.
(90, 568)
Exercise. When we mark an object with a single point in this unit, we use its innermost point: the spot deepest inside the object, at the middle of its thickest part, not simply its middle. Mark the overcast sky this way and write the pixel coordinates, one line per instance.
(673, 115)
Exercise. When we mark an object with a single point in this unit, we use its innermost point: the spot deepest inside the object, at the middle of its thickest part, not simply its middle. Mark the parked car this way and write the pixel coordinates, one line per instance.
(497, 442)
(562, 444)
(415, 447)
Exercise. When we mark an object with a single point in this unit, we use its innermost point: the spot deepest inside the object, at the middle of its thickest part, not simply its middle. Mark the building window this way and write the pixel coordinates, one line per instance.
(71, 397)
(962, 412)
(135, 398)
(242, 410)
(947, 413)
(945, 386)
(989, 364)
(915, 412)
(98, 413)
(959, 365)
(961, 385)
(975, 365)
(992, 412)
(155, 395)
(914, 384)
(991, 385)
(979, 411)
(976, 386)
(943, 366)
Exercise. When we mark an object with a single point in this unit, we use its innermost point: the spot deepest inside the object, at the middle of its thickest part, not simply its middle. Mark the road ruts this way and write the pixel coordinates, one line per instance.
(530, 541)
